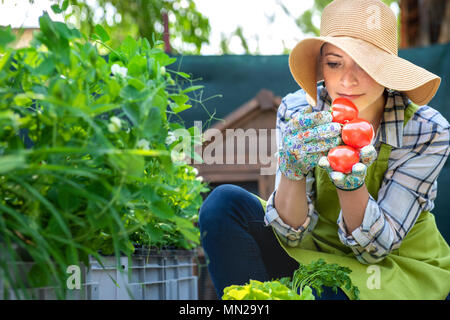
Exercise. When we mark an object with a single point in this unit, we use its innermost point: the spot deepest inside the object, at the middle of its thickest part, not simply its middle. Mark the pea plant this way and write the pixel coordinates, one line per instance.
(85, 159)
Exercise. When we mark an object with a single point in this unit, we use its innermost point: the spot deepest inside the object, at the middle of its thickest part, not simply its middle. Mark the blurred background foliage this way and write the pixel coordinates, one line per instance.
(420, 22)
(145, 17)
(140, 18)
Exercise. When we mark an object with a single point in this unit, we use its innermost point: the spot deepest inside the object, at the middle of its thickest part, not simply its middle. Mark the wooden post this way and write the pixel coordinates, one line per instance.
(444, 35)
(424, 22)
(166, 37)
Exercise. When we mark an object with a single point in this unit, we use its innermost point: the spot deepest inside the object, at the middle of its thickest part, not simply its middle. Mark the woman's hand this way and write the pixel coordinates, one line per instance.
(355, 179)
(304, 140)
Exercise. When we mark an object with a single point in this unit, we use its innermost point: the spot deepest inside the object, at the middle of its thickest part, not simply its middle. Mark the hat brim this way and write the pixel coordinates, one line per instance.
(385, 68)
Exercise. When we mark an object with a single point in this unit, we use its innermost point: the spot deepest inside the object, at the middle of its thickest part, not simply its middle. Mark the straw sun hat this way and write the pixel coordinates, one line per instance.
(367, 31)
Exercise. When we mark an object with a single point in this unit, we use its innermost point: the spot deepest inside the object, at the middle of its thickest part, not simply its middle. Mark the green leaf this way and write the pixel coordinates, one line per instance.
(160, 101)
(132, 94)
(38, 276)
(65, 5)
(307, 294)
(137, 66)
(113, 88)
(153, 232)
(67, 200)
(45, 68)
(22, 100)
(55, 36)
(9, 163)
(179, 108)
(162, 209)
(64, 31)
(127, 164)
(6, 36)
(102, 33)
(145, 45)
(192, 88)
(132, 112)
(186, 228)
(179, 99)
(5, 58)
(152, 123)
(156, 204)
(183, 75)
(162, 58)
(56, 8)
(129, 47)
(136, 83)
(129, 92)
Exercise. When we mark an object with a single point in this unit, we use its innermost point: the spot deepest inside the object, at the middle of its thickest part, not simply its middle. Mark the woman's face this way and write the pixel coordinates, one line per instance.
(344, 78)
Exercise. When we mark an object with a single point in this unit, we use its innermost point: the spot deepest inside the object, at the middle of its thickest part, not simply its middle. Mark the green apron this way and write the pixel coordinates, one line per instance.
(419, 269)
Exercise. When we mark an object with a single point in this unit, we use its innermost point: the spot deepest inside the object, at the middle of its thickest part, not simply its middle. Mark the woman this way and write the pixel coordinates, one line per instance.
(375, 220)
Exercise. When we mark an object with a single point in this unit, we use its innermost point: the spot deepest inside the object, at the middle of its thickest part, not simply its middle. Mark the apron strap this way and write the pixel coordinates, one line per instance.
(409, 112)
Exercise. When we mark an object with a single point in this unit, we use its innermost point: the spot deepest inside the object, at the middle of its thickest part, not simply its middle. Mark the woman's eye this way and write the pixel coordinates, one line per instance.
(332, 64)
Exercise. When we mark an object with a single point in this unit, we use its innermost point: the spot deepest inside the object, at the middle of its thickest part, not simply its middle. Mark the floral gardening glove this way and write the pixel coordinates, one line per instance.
(304, 140)
(355, 179)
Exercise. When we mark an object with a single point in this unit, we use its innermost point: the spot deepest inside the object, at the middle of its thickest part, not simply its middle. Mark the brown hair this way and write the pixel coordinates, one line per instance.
(319, 73)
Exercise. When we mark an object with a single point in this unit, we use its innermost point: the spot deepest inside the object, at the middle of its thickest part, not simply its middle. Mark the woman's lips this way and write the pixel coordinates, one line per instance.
(351, 97)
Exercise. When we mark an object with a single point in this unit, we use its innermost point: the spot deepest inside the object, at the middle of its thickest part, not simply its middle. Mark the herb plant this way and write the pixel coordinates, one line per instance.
(85, 165)
(319, 273)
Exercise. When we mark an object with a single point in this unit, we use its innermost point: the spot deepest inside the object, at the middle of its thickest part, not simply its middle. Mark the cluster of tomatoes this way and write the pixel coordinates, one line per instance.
(356, 134)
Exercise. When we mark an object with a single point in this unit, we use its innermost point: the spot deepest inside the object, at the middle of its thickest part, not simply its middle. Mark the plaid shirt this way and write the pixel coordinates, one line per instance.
(419, 151)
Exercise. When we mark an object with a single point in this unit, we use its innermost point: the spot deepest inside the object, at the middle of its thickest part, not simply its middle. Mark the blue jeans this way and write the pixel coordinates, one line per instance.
(237, 244)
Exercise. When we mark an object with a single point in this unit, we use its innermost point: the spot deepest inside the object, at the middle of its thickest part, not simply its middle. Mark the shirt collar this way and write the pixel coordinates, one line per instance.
(390, 130)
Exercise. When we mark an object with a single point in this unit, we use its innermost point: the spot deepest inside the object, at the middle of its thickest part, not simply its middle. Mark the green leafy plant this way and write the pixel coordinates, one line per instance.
(269, 290)
(85, 164)
(319, 273)
(298, 287)
(140, 18)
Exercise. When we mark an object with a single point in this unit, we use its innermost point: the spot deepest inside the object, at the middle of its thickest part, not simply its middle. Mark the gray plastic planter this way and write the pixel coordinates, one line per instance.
(163, 275)
(151, 275)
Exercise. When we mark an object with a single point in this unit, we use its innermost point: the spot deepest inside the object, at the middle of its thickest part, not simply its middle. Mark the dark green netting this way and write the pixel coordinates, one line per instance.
(238, 78)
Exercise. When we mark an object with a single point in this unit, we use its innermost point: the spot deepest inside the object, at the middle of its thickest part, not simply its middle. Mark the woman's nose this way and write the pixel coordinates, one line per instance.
(348, 78)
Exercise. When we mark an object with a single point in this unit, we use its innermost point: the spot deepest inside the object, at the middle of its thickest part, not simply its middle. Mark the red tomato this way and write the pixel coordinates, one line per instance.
(343, 110)
(357, 133)
(342, 158)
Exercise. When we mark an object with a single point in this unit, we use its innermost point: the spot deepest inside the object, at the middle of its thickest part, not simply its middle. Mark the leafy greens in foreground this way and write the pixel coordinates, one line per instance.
(299, 287)
(269, 290)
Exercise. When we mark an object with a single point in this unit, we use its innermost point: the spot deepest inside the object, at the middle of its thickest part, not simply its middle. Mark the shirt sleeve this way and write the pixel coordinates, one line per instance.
(288, 235)
(290, 105)
(408, 189)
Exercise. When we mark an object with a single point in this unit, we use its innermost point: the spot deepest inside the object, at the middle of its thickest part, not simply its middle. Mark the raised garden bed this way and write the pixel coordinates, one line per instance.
(150, 275)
